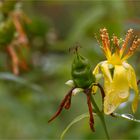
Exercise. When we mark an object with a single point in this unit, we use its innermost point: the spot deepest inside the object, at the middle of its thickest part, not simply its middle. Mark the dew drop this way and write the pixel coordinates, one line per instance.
(128, 116)
(110, 108)
(123, 94)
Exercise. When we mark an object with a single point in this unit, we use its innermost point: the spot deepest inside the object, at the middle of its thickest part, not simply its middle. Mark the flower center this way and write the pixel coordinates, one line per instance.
(115, 59)
(114, 53)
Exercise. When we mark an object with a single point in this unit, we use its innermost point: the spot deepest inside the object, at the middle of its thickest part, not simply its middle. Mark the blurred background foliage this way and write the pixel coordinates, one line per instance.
(27, 101)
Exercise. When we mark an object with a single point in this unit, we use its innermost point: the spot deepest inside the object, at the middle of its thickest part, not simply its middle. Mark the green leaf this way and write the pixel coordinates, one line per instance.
(19, 80)
(77, 119)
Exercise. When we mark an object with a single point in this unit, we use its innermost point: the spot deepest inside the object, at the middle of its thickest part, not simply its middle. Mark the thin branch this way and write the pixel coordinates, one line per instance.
(138, 82)
(15, 60)
(102, 91)
(68, 102)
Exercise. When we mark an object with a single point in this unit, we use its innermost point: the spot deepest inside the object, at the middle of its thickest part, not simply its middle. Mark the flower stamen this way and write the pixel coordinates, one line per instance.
(116, 43)
(127, 38)
(106, 42)
(132, 49)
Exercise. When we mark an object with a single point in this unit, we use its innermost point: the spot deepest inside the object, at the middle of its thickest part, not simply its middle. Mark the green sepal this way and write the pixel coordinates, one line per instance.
(7, 6)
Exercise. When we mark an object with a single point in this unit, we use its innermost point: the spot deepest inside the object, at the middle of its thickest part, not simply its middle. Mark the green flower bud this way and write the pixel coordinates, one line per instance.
(7, 6)
(81, 72)
(7, 31)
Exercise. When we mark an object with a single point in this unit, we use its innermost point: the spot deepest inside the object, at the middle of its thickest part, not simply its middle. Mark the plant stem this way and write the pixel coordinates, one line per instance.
(101, 116)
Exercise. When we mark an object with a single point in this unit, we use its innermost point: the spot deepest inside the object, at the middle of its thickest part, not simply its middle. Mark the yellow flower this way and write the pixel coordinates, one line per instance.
(119, 76)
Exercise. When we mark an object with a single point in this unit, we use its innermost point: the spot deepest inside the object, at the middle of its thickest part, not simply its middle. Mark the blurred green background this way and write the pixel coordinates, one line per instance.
(28, 101)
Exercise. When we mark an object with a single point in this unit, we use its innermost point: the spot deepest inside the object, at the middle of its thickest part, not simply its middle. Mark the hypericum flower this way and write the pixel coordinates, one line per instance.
(119, 76)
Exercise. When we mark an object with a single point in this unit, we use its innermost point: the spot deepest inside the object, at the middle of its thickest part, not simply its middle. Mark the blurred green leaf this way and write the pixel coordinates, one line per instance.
(89, 18)
(7, 31)
(7, 6)
(19, 80)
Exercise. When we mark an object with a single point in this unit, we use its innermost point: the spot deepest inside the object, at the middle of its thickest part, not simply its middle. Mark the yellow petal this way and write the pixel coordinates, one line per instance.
(107, 77)
(96, 69)
(133, 84)
(118, 90)
(106, 73)
(95, 72)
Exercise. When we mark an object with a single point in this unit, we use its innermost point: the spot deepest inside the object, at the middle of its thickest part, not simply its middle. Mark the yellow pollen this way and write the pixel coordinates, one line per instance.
(127, 38)
(132, 49)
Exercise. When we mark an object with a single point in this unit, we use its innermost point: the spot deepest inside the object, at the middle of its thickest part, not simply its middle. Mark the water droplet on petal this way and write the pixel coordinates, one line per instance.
(123, 94)
(126, 65)
(109, 108)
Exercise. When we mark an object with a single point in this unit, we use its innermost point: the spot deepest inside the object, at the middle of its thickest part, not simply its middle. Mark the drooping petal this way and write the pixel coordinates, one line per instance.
(117, 91)
(107, 77)
(103, 66)
(133, 84)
